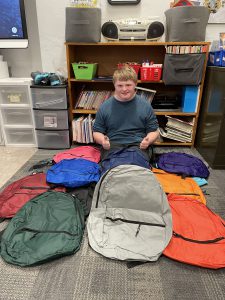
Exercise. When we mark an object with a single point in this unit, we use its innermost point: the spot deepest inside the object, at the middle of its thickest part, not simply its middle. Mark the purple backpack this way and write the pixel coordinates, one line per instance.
(182, 163)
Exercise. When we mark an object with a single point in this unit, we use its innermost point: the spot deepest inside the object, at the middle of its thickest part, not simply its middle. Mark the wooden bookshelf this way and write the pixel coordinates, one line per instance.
(108, 55)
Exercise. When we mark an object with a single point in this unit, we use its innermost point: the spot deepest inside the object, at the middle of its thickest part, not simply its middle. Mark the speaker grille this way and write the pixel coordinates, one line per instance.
(155, 30)
(109, 30)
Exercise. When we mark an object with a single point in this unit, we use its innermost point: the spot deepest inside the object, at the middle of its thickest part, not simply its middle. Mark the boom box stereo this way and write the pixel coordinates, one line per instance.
(131, 29)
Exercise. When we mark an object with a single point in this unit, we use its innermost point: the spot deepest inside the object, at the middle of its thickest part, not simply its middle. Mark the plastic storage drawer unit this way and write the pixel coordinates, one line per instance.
(47, 97)
(51, 119)
(14, 95)
(19, 136)
(16, 116)
(47, 139)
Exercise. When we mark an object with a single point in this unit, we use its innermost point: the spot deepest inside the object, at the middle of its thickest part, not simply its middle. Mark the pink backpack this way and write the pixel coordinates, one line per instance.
(86, 152)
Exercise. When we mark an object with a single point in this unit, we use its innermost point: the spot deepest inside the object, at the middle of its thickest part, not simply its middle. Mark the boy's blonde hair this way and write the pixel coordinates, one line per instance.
(125, 73)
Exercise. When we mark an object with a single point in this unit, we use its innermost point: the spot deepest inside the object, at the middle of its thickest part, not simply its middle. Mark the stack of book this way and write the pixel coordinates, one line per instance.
(178, 130)
(92, 99)
(82, 129)
(147, 94)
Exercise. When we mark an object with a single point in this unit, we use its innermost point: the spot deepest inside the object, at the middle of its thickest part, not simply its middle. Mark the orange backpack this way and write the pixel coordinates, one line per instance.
(172, 183)
(198, 234)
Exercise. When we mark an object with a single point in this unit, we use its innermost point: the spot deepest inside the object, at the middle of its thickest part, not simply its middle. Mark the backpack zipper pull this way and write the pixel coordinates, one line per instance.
(138, 229)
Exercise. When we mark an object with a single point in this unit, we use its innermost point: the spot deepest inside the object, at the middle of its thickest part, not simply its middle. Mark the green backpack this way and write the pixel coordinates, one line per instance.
(51, 225)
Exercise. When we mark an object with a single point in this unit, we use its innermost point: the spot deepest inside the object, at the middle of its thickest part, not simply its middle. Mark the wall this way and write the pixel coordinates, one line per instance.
(47, 50)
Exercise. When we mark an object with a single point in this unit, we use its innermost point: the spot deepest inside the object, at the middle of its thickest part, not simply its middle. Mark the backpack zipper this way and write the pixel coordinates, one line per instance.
(193, 194)
(35, 187)
(198, 241)
(136, 222)
(175, 164)
(100, 183)
(46, 231)
(32, 188)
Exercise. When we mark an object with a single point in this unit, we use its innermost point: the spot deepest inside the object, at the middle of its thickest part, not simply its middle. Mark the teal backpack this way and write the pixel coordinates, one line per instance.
(49, 226)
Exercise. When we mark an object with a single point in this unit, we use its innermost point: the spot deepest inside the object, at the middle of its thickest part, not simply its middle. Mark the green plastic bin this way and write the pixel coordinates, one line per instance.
(84, 71)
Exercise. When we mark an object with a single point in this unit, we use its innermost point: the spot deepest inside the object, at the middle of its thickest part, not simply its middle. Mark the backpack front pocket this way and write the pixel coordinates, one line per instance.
(143, 233)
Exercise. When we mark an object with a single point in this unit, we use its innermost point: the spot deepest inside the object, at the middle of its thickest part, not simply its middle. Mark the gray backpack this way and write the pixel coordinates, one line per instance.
(130, 217)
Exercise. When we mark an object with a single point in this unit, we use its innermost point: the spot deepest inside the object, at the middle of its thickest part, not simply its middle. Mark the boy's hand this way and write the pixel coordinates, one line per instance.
(106, 143)
(144, 143)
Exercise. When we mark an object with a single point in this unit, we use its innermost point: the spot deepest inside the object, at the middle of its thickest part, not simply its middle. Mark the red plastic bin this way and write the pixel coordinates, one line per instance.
(151, 73)
(136, 67)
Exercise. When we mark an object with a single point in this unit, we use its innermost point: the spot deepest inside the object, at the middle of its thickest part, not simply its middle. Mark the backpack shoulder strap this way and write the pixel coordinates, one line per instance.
(42, 164)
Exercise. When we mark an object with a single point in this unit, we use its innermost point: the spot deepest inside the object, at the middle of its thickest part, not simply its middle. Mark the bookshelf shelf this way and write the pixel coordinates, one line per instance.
(84, 111)
(174, 113)
(106, 80)
(158, 113)
(172, 143)
(108, 55)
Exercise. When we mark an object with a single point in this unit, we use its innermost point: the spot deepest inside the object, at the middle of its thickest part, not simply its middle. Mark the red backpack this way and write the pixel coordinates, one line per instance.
(15, 195)
(85, 152)
(198, 234)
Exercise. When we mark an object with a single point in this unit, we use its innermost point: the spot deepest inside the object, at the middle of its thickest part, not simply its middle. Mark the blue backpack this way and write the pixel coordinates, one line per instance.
(182, 163)
(73, 173)
(124, 156)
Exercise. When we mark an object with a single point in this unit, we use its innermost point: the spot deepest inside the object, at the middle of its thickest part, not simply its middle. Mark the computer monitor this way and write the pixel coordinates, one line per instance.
(13, 29)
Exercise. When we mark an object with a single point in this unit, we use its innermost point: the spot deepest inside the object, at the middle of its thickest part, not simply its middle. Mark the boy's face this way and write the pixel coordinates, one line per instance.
(124, 90)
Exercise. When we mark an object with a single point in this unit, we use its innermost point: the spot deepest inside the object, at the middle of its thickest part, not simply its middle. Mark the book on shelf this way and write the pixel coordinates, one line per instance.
(174, 136)
(181, 124)
(92, 99)
(90, 128)
(178, 132)
(178, 129)
(77, 129)
(82, 129)
(145, 93)
(186, 49)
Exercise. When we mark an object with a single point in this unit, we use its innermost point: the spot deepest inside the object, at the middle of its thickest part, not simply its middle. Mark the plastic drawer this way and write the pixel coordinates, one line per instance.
(16, 116)
(53, 139)
(17, 94)
(51, 120)
(20, 136)
(49, 97)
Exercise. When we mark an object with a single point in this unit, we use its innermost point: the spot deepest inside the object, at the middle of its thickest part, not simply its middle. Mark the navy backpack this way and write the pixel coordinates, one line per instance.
(182, 163)
(130, 155)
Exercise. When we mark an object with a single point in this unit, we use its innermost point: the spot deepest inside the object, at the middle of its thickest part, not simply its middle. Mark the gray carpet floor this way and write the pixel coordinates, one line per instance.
(90, 276)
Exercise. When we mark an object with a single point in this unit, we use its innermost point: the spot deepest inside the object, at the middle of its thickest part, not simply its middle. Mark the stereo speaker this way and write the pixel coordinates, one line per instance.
(83, 25)
(155, 30)
(110, 30)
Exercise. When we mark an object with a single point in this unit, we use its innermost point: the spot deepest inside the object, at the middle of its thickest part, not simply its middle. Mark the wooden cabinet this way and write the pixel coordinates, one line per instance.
(210, 138)
(108, 55)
